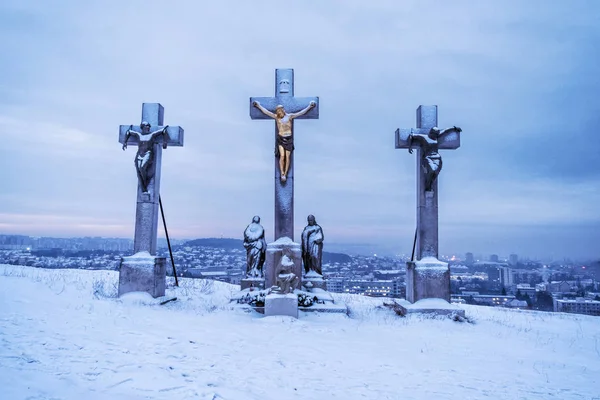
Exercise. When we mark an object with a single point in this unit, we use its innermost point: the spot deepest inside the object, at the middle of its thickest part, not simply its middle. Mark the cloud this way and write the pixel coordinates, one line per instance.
(516, 76)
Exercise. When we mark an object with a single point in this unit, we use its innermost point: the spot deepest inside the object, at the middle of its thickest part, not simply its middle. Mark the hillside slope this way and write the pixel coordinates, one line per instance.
(63, 336)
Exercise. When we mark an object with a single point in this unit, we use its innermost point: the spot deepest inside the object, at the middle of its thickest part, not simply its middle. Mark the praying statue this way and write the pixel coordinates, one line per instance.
(312, 246)
(256, 247)
(431, 160)
(285, 137)
(145, 153)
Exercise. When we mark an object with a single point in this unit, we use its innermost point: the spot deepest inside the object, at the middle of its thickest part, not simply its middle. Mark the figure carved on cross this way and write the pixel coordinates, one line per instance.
(431, 160)
(284, 108)
(285, 139)
(144, 158)
(428, 139)
(148, 156)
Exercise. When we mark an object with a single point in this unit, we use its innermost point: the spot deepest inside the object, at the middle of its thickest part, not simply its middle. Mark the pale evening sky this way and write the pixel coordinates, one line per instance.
(519, 77)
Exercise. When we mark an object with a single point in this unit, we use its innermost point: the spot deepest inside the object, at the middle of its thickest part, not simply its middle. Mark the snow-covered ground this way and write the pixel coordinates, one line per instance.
(63, 335)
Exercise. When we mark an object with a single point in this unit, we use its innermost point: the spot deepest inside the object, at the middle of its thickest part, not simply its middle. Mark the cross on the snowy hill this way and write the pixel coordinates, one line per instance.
(284, 108)
(427, 139)
(150, 137)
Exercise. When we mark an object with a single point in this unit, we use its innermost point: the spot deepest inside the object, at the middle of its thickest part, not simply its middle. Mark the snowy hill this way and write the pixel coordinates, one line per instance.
(63, 335)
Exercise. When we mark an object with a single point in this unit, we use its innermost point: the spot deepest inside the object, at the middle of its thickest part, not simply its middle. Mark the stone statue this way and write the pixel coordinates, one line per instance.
(431, 160)
(285, 138)
(145, 153)
(312, 246)
(256, 247)
(286, 279)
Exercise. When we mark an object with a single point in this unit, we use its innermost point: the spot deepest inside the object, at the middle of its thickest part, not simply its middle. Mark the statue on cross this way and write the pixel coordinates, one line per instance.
(285, 138)
(431, 160)
(145, 153)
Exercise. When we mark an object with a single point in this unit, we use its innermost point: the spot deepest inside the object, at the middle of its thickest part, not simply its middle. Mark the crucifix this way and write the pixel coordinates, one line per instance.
(284, 108)
(427, 139)
(150, 137)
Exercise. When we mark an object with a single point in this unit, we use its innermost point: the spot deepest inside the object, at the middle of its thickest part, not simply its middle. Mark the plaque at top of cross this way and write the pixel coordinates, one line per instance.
(284, 108)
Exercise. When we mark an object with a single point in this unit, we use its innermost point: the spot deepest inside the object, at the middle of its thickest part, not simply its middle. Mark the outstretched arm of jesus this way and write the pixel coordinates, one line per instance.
(264, 110)
(127, 134)
(164, 133)
(304, 111)
(448, 130)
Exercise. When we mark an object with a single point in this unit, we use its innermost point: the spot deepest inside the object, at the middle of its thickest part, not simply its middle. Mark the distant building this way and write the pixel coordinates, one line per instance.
(494, 258)
(368, 287)
(514, 303)
(388, 274)
(513, 259)
(506, 276)
(469, 259)
(482, 299)
(335, 285)
(494, 275)
(524, 289)
(577, 306)
(559, 287)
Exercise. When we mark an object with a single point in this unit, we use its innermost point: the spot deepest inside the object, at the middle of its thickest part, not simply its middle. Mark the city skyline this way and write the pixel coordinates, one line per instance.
(8, 241)
(518, 78)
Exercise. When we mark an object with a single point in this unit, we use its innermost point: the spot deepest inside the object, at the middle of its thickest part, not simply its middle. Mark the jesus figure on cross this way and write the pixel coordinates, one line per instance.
(285, 138)
(145, 154)
(431, 160)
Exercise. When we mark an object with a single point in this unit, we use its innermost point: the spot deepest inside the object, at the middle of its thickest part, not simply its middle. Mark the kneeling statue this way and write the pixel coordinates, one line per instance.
(286, 279)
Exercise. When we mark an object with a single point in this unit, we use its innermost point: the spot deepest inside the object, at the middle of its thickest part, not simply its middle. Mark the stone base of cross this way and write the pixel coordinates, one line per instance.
(427, 277)
(144, 272)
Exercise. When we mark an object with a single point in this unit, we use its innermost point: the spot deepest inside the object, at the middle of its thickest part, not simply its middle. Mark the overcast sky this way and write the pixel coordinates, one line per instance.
(519, 77)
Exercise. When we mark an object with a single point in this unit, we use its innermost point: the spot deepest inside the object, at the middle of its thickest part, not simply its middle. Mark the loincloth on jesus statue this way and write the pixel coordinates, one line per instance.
(287, 142)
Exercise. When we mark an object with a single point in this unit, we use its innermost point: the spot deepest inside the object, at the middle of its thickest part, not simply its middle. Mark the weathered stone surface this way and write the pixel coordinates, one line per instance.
(146, 218)
(427, 278)
(281, 304)
(275, 252)
(146, 224)
(427, 200)
(313, 280)
(143, 272)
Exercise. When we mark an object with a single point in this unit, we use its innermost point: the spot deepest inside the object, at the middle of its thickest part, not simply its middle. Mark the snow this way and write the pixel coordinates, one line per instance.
(431, 265)
(313, 275)
(143, 255)
(63, 335)
(440, 304)
(285, 241)
(286, 261)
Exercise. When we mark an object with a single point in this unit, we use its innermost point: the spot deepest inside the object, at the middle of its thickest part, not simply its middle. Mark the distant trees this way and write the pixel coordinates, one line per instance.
(524, 297)
(544, 302)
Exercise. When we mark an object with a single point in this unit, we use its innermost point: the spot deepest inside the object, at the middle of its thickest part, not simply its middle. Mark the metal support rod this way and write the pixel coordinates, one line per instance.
(412, 258)
(162, 213)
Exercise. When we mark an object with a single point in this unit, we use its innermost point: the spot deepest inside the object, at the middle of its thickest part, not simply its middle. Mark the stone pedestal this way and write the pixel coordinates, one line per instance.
(143, 272)
(275, 252)
(313, 280)
(427, 278)
(256, 283)
(281, 304)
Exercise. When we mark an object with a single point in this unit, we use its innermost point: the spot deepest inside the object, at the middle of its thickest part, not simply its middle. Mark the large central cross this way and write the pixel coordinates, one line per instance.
(427, 139)
(151, 140)
(292, 108)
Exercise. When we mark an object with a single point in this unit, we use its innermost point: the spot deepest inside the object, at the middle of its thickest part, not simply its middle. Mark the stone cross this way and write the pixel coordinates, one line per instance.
(146, 215)
(284, 185)
(427, 200)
